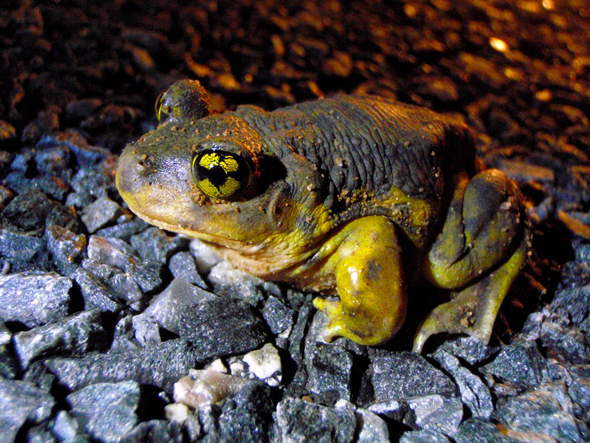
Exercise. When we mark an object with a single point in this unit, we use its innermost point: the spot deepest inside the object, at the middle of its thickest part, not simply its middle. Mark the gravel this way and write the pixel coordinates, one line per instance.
(101, 314)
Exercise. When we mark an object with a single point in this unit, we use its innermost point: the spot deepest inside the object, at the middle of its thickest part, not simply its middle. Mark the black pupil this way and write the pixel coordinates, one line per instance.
(216, 175)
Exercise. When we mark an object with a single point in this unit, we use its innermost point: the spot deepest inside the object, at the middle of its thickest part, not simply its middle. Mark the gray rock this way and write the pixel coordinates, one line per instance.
(405, 375)
(435, 413)
(5, 334)
(66, 248)
(106, 411)
(469, 349)
(101, 213)
(65, 427)
(329, 366)
(277, 315)
(474, 393)
(544, 411)
(220, 327)
(247, 416)
(116, 252)
(183, 266)
(299, 421)
(159, 366)
(72, 335)
(34, 299)
(478, 430)
(392, 409)
(520, 366)
(96, 294)
(38, 374)
(124, 230)
(565, 343)
(26, 213)
(40, 434)
(171, 306)
(232, 282)
(154, 245)
(156, 431)
(579, 391)
(21, 402)
(423, 437)
(23, 252)
(92, 183)
(147, 330)
(373, 429)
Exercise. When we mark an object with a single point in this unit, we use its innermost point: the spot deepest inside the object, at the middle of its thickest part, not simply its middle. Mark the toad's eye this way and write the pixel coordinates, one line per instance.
(161, 110)
(221, 174)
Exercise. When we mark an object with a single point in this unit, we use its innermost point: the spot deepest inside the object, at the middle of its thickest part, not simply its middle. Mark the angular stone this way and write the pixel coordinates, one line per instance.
(154, 245)
(22, 251)
(302, 421)
(116, 252)
(373, 429)
(66, 248)
(545, 411)
(106, 411)
(172, 305)
(34, 299)
(183, 266)
(424, 436)
(518, 365)
(26, 213)
(405, 375)
(474, 393)
(220, 327)
(21, 402)
(72, 335)
(481, 431)
(101, 213)
(435, 413)
(248, 414)
(155, 431)
(277, 315)
(95, 293)
(159, 366)
(65, 427)
(329, 369)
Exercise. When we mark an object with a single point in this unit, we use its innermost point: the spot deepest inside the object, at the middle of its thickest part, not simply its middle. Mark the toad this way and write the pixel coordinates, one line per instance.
(343, 196)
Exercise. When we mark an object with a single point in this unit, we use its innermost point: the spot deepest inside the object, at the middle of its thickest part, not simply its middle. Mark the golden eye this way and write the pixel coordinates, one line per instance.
(221, 174)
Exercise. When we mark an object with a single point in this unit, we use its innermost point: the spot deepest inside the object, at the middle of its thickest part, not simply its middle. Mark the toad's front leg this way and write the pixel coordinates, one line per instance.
(365, 258)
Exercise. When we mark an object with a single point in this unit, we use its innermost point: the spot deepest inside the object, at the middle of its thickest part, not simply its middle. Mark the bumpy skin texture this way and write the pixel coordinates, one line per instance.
(324, 194)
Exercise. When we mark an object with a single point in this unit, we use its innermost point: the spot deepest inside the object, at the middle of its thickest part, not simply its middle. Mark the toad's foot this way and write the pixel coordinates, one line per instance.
(473, 310)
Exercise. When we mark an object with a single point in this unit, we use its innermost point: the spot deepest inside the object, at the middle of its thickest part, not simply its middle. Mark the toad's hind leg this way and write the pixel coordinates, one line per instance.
(480, 251)
(365, 259)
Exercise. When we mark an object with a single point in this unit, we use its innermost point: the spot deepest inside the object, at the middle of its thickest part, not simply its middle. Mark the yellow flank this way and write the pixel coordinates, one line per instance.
(417, 216)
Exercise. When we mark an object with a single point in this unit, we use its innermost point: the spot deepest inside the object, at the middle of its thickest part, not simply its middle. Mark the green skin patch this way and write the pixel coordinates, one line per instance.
(339, 186)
